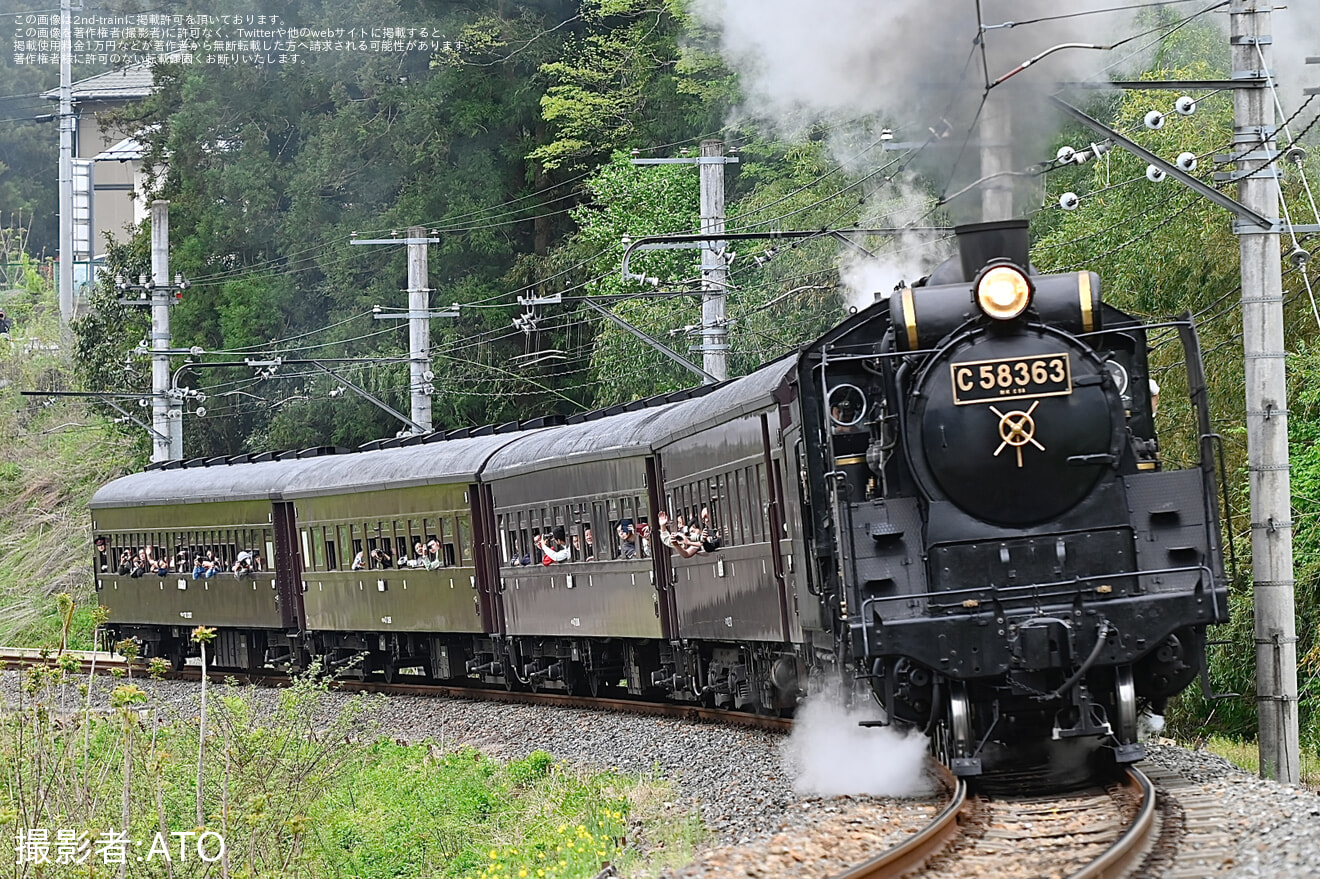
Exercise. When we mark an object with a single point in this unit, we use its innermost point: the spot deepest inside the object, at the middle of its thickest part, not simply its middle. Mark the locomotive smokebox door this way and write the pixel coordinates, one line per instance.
(1015, 429)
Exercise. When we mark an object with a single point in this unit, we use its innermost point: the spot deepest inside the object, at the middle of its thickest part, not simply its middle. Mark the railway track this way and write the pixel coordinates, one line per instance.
(107, 663)
(1089, 835)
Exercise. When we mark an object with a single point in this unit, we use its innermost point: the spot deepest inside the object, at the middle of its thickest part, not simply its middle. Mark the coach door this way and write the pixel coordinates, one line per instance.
(485, 563)
(288, 567)
(660, 560)
(778, 533)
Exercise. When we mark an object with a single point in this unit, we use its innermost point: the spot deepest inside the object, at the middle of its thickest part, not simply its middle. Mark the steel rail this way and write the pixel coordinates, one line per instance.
(914, 852)
(1128, 850)
(105, 663)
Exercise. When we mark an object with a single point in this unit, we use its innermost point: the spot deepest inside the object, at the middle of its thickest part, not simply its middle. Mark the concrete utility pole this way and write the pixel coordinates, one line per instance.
(66, 162)
(1267, 406)
(419, 328)
(714, 345)
(419, 314)
(166, 412)
(166, 408)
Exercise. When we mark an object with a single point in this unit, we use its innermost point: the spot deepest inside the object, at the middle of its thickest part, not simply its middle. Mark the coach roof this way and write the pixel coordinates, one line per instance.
(200, 485)
(456, 460)
(639, 432)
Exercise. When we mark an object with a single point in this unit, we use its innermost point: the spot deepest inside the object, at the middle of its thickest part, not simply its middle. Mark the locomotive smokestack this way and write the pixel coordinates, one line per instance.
(978, 243)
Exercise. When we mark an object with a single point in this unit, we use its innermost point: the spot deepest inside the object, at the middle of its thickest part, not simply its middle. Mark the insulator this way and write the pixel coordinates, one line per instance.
(1154, 174)
(1069, 201)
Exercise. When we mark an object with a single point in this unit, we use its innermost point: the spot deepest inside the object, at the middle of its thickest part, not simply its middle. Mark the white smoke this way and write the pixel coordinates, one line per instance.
(1296, 38)
(917, 64)
(830, 755)
(868, 279)
(904, 257)
(853, 58)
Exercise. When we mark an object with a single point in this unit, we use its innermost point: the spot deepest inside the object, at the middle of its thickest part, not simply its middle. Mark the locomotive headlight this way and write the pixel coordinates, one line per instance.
(1003, 292)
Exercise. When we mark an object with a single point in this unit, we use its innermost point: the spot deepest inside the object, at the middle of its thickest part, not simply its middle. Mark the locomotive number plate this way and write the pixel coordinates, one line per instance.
(984, 381)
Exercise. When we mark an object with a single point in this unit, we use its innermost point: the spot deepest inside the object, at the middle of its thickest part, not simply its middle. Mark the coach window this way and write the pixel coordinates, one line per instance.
(730, 483)
(317, 560)
(757, 476)
(402, 548)
(764, 487)
(445, 535)
(744, 506)
(344, 547)
(513, 525)
(447, 531)
(505, 537)
(385, 541)
(512, 537)
(464, 555)
(415, 532)
(752, 497)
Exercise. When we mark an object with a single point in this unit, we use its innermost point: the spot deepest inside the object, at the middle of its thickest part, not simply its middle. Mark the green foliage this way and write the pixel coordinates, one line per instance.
(615, 85)
(303, 789)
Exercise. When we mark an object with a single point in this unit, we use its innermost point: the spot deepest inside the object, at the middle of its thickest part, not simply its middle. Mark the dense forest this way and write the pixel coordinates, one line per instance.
(513, 145)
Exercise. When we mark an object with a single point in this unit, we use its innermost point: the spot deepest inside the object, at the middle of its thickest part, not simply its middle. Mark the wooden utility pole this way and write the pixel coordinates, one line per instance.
(1266, 394)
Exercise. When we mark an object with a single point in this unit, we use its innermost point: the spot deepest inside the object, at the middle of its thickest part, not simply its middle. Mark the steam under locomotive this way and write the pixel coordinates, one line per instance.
(954, 499)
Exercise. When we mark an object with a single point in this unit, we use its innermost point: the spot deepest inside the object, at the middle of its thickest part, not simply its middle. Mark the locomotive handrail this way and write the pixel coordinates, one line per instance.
(1030, 589)
(1228, 505)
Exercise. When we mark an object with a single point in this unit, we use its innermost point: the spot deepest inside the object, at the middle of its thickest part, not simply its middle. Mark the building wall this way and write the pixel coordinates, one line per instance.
(114, 205)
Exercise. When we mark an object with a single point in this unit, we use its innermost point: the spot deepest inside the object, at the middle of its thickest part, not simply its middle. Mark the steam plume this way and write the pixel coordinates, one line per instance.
(831, 755)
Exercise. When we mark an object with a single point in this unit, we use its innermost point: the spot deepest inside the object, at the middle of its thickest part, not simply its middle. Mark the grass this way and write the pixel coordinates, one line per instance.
(54, 454)
(1246, 755)
(301, 791)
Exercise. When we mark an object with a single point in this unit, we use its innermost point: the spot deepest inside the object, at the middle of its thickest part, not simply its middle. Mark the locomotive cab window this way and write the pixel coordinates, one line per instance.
(847, 405)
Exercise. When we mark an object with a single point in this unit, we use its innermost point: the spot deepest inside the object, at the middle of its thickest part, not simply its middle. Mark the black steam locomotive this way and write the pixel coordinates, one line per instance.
(954, 499)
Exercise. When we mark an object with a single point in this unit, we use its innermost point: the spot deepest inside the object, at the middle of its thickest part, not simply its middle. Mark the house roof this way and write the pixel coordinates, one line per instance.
(127, 150)
(133, 81)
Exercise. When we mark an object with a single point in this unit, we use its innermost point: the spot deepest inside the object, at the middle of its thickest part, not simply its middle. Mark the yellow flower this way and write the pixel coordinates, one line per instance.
(494, 855)
(523, 873)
